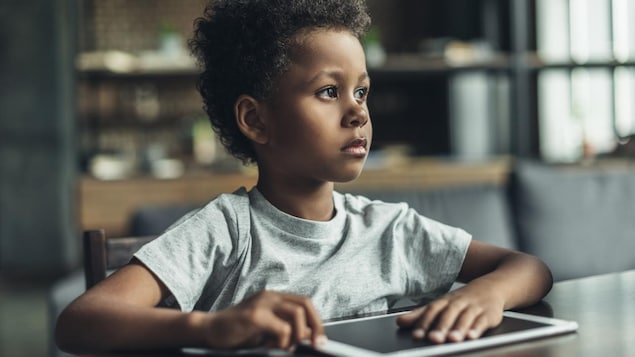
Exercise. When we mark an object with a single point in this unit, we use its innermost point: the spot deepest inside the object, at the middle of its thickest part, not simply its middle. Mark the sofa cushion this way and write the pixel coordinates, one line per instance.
(580, 220)
(480, 209)
(154, 220)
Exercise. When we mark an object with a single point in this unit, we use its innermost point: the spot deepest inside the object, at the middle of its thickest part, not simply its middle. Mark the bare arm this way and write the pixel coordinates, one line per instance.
(120, 314)
(497, 279)
(519, 278)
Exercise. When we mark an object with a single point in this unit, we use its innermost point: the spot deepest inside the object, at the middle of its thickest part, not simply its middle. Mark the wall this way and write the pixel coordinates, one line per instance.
(37, 137)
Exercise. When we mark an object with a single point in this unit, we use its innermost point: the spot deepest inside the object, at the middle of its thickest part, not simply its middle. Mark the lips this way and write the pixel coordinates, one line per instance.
(356, 147)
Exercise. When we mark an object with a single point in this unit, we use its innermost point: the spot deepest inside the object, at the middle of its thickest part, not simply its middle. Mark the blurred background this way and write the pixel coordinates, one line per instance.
(99, 102)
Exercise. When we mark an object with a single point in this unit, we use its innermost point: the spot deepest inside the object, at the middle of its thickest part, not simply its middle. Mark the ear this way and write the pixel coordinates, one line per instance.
(248, 113)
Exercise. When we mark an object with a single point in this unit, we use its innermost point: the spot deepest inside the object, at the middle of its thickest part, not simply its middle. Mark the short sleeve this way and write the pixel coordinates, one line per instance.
(198, 252)
(433, 254)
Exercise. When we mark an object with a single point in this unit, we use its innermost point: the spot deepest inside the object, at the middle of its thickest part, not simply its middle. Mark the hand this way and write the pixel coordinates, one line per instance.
(464, 313)
(269, 319)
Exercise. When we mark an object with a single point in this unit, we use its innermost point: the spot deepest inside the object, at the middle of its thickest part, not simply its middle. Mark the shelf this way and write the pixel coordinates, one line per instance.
(164, 73)
(413, 64)
(110, 204)
(123, 65)
(573, 65)
(397, 64)
(128, 121)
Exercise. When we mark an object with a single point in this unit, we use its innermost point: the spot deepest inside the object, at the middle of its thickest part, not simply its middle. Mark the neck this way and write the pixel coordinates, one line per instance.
(312, 201)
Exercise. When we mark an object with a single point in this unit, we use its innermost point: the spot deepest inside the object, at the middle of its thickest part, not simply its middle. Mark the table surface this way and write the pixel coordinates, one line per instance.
(603, 306)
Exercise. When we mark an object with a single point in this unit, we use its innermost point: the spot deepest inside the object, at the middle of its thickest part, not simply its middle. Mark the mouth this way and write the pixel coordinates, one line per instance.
(356, 147)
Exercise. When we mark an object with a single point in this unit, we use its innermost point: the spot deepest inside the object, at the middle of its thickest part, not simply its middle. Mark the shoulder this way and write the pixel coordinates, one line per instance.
(236, 199)
(224, 216)
(228, 205)
(217, 228)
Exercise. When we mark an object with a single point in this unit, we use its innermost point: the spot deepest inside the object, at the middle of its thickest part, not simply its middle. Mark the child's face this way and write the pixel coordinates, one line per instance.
(318, 124)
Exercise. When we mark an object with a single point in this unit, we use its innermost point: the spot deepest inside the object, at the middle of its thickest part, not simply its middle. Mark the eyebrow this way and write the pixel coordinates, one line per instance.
(337, 74)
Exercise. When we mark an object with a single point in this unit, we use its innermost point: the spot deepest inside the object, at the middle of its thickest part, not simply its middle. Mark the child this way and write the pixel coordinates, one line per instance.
(285, 86)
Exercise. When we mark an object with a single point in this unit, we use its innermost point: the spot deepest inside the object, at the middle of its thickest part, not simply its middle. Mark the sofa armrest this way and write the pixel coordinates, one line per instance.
(579, 219)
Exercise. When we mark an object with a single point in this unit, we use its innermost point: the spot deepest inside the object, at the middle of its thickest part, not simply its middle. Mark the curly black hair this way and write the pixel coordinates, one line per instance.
(244, 46)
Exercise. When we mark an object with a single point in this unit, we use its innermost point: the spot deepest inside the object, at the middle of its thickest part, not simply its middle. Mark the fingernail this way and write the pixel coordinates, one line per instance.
(437, 336)
(419, 334)
(321, 340)
(472, 334)
(455, 335)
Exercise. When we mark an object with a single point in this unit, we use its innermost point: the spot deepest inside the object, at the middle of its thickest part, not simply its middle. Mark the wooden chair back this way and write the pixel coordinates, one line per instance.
(102, 254)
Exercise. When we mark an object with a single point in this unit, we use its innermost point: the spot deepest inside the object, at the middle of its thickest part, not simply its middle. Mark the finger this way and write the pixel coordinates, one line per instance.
(295, 315)
(463, 323)
(408, 319)
(446, 320)
(479, 326)
(312, 317)
(278, 332)
(429, 318)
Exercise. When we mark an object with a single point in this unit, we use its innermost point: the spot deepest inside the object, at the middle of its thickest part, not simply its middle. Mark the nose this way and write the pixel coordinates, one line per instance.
(356, 116)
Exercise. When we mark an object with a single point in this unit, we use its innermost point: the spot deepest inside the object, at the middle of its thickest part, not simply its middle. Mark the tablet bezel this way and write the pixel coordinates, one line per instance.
(554, 327)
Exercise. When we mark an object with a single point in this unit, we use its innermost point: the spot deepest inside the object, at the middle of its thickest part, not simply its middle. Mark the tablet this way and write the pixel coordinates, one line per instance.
(380, 336)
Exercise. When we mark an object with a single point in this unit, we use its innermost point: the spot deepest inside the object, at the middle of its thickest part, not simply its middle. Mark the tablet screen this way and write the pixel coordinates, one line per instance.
(382, 335)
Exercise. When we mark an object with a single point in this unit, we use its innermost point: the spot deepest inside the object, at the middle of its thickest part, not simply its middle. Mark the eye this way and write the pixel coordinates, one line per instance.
(328, 92)
(361, 93)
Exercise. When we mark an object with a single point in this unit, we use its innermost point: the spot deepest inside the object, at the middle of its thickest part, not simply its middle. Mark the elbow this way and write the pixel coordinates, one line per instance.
(548, 276)
(541, 276)
(535, 272)
(68, 334)
(65, 338)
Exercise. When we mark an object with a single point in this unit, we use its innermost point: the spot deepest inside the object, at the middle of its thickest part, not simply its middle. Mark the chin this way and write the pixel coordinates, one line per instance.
(345, 179)
(347, 176)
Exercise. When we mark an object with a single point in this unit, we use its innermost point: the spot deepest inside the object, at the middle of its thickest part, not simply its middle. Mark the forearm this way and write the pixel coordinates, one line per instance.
(519, 279)
(99, 325)
(497, 279)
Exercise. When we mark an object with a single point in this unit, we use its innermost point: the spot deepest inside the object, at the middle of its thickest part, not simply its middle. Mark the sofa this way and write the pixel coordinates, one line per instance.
(580, 219)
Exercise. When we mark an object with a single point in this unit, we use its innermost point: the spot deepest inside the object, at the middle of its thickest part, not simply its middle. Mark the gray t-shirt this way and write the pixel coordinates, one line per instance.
(368, 256)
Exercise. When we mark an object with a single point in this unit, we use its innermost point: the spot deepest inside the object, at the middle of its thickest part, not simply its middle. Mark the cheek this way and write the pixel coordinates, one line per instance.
(294, 132)
(313, 123)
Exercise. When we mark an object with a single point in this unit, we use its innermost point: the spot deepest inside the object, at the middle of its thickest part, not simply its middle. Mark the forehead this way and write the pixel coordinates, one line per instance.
(310, 40)
(322, 50)
(319, 54)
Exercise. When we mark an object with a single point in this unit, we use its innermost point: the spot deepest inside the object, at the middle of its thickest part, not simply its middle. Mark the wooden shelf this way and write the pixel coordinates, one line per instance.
(414, 64)
(185, 73)
(122, 65)
(110, 204)
(534, 62)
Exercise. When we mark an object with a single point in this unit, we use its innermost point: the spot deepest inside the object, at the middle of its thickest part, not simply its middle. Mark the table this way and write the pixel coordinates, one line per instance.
(603, 306)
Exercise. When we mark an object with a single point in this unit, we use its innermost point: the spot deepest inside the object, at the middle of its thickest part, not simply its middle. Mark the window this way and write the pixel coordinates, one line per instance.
(587, 84)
